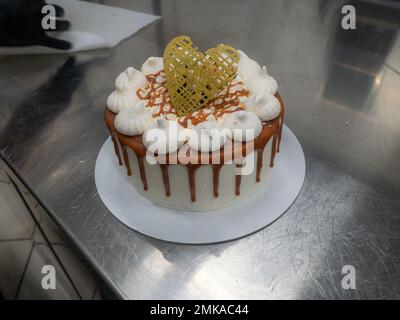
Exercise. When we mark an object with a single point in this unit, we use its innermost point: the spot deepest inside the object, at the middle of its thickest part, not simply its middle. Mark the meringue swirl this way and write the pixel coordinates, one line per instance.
(126, 85)
(166, 136)
(152, 65)
(242, 126)
(133, 120)
(207, 136)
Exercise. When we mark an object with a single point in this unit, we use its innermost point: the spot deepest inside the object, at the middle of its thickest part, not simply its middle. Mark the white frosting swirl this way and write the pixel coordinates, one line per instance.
(166, 136)
(207, 136)
(130, 79)
(116, 101)
(261, 83)
(242, 126)
(265, 106)
(133, 120)
(256, 79)
(152, 65)
(261, 86)
(126, 84)
(247, 67)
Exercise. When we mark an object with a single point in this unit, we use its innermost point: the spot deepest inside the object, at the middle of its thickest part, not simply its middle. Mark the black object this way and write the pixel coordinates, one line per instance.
(21, 24)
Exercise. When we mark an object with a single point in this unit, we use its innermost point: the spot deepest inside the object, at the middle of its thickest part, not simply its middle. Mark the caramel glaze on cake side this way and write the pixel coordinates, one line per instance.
(226, 102)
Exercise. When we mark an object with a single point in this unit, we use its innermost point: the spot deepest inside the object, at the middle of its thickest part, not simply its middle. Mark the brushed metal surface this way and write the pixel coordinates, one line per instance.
(342, 94)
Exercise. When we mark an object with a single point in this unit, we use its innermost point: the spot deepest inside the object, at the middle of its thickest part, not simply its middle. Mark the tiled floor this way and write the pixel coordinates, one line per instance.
(29, 240)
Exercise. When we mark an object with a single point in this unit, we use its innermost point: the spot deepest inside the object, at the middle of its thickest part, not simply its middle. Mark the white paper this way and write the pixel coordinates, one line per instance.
(93, 26)
(279, 191)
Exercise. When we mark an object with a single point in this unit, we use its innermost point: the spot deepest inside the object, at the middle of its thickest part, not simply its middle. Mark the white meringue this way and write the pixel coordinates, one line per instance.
(242, 126)
(207, 136)
(126, 84)
(133, 120)
(152, 65)
(270, 83)
(119, 100)
(255, 86)
(130, 79)
(247, 67)
(166, 136)
(261, 83)
(265, 106)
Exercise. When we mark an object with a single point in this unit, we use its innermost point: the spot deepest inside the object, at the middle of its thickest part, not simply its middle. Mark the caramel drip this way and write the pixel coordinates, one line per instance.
(142, 172)
(260, 153)
(216, 168)
(191, 169)
(238, 181)
(126, 160)
(281, 118)
(116, 149)
(229, 99)
(164, 171)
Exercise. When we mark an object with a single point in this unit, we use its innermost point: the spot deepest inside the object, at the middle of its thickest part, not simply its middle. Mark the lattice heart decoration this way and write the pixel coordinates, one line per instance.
(194, 78)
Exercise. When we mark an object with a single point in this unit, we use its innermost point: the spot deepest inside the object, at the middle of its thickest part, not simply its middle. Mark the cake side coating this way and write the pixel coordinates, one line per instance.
(270, 130)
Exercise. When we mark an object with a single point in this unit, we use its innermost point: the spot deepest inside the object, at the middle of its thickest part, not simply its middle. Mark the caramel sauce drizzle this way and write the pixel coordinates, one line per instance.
(191, 169)
(227, 102)
(158, 98)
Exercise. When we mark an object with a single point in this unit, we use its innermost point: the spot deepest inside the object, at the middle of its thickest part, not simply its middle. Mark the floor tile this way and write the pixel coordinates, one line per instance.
(97, 295)
(29, 198)
(79, 275)
(49, 227)
(33, 205)
(13, 259)
(53, 233)
(3, 175)
(15, 220)
(31, 287)
(38, 237)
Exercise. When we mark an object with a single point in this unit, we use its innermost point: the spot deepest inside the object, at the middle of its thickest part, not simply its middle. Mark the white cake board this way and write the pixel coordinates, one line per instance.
(283, 184)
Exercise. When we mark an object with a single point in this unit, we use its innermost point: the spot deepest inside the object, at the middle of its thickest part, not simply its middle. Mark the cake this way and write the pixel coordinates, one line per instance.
(195, 131)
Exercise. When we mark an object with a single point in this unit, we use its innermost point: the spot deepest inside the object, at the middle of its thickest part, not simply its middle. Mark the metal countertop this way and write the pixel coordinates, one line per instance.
(341, 89)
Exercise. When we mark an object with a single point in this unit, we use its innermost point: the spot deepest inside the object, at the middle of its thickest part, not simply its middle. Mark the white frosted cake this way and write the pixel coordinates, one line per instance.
(195, 131)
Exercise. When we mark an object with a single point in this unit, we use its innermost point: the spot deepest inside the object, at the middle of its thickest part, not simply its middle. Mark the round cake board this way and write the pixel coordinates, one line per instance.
(278, 192)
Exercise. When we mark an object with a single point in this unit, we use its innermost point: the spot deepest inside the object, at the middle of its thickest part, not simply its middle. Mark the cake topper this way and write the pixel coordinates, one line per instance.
(194, 78)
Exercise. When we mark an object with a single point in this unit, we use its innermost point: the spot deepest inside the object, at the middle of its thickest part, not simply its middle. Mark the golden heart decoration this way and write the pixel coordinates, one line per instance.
(194, 78)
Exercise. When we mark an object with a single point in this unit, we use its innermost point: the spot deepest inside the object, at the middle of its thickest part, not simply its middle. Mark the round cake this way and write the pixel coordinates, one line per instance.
(195, 131)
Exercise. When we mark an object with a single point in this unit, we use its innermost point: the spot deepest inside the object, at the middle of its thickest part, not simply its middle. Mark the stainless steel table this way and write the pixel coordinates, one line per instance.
(342, 93)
